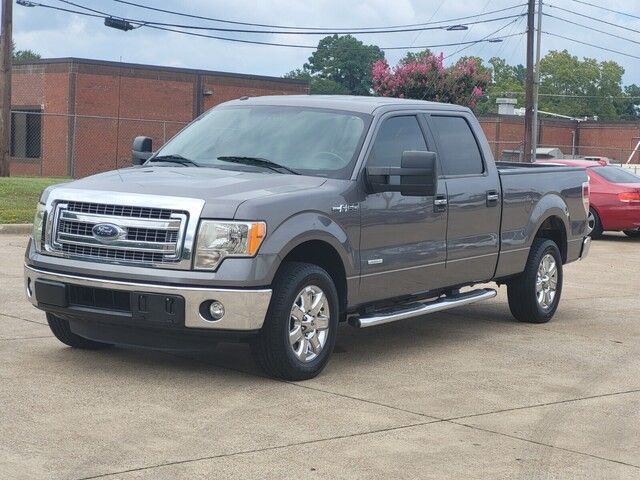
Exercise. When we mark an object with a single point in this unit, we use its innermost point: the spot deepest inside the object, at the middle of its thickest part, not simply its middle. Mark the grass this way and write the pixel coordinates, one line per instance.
(19, 197)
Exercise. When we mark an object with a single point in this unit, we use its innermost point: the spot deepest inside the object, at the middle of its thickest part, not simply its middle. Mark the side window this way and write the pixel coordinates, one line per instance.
(396, 135)
(457, 147)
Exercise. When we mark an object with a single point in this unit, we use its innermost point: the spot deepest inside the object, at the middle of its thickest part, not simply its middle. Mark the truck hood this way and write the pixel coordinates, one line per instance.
(222, 190)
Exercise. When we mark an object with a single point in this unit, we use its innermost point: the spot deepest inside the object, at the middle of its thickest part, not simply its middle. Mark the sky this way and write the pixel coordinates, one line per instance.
(58, 34)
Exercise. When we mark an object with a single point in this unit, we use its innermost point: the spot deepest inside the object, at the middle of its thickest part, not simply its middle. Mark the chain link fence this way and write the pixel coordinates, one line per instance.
(52, 144)
(55, 144)
(513, 151)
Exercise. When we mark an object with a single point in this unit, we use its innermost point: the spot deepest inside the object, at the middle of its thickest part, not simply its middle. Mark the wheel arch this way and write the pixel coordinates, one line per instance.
(324, 255)
(554, 228)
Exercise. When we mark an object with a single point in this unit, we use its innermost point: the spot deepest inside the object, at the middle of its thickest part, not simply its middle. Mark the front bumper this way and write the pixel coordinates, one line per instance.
(245, 309)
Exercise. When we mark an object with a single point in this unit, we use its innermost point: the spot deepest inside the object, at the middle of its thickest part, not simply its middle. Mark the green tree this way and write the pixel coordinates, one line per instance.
(345, 61)
(506, 81)
(23, 55)
(317, 85)
(421, 56)
(630, 109)
(580, 88)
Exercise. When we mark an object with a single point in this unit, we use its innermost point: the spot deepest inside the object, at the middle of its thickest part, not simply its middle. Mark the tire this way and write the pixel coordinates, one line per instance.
(273, 350)
(62, 332)
(595, 223)
(632, 233)
(522, 291)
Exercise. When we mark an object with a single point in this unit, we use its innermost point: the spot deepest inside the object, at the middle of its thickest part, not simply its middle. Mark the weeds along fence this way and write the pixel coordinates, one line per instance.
(53, 144)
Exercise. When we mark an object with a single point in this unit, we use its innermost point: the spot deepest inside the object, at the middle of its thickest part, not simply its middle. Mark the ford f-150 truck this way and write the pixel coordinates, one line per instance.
(270, 220)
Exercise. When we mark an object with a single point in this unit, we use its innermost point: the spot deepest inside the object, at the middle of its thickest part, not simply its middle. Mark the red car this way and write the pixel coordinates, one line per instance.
(614, 199)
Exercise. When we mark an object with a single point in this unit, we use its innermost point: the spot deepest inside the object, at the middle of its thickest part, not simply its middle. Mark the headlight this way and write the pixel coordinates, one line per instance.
(218, 240)
(38, 226)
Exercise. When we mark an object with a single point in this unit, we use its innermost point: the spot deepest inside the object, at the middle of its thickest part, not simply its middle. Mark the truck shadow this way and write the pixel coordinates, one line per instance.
(399, 342)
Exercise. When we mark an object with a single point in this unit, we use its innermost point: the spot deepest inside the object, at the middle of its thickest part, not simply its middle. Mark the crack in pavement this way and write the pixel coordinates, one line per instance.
(259, 450)
(23, 319)
(431, 420)
(515, 437)
(25, 338)
(453, 421)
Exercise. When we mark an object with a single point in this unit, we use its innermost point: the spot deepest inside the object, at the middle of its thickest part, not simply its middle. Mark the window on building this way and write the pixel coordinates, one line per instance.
(26, 133)
(458, 149)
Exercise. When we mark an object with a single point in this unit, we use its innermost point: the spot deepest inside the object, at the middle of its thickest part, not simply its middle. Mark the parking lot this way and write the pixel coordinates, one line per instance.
(469, 393)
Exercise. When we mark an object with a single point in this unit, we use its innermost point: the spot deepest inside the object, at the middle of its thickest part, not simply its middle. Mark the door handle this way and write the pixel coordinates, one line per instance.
(440, 203)
(492, 198)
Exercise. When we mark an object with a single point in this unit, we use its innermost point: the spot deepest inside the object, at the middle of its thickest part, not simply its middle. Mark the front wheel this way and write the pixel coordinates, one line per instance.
(632, 233)
(300, 329)
(535, 293)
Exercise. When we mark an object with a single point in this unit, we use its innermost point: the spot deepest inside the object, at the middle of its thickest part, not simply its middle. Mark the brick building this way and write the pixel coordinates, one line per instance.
(615, 140)
(74, 117)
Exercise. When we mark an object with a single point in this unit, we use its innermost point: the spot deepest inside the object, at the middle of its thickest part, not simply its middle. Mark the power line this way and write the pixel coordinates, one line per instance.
(142, 23)
(591, 45)
(607, 9)
(455, 44)
(594, 18)
(288, 27)
(591, 28)
(487, 38)
(567, 95)
(291, 32)
(203, 35)
(435, 12)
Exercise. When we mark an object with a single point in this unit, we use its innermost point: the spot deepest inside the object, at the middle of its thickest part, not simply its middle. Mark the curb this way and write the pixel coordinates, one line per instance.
(15, 228)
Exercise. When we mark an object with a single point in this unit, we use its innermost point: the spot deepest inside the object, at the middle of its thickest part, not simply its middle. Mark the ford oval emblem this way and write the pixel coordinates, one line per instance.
(107, 231)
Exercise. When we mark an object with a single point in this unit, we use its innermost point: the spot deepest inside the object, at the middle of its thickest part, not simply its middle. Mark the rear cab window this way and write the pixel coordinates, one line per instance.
(458, 148)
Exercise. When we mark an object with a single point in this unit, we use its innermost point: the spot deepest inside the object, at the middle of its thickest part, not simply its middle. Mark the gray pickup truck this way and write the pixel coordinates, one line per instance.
(270, 220)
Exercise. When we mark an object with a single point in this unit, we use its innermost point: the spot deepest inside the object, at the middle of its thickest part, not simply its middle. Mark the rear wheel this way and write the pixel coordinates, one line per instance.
(62, 331)
(300, 329)
(632, 233)
(535, 293)
(595, 225)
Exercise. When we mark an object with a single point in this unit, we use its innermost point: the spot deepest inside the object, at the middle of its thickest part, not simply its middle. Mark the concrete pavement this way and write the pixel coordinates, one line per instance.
(469, 393)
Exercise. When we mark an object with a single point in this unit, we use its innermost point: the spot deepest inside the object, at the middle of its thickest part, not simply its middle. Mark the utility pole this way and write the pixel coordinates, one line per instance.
(528, 103)
(536, 84)
(5, 87)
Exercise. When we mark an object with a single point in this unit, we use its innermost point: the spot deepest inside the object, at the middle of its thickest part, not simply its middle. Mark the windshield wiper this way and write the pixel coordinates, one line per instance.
(258, 162)
(174, 158)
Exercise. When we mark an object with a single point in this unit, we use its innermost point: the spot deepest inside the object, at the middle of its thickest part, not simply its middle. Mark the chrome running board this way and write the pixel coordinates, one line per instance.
(416, 309)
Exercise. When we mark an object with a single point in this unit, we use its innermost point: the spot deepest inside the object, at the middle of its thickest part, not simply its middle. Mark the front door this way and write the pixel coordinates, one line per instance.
(473, 195)
(402, 242)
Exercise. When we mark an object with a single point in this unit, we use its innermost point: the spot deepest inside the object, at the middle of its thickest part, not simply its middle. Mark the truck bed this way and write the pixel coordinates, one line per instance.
(530, 192)
(522, 168)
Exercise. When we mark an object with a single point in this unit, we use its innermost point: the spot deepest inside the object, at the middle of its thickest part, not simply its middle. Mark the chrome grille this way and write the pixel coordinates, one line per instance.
(120, 210)
(145, 235)
(110, 254)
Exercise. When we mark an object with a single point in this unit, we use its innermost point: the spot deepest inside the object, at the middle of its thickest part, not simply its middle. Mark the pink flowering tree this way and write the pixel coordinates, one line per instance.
(426, 78)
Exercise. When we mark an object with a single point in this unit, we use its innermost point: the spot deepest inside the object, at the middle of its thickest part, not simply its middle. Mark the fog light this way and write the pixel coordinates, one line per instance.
(216, 310)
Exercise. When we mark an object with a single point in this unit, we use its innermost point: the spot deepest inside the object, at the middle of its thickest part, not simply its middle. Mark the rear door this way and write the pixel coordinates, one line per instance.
(473, 199)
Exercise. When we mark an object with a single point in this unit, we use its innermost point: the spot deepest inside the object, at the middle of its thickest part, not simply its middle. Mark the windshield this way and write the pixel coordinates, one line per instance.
(616, 175)
(310, 141)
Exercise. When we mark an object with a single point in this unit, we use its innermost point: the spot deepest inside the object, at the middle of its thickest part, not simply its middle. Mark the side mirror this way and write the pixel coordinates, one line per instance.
(141, 150)
(417, 175)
